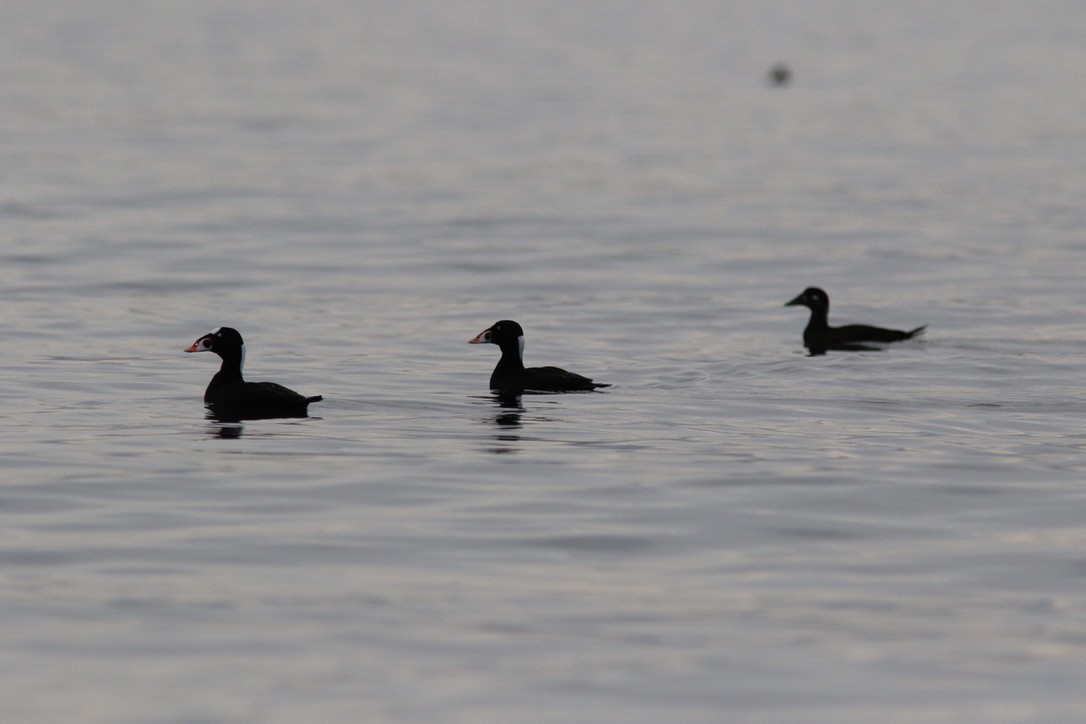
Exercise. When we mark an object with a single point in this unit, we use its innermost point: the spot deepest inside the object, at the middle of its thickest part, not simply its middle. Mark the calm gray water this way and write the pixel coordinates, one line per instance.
(732, 532)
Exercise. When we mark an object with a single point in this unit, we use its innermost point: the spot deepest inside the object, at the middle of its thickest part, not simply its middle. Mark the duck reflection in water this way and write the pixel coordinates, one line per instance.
(225, 431)
(234, 429)
(508, 420)
(230, 414)
(510, 411)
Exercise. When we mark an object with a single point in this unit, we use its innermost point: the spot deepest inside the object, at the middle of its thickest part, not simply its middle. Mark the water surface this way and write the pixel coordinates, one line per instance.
(732, 531)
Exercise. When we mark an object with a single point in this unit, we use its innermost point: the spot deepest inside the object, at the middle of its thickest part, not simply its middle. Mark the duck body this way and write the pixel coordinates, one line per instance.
(511, 376)
(255, 400)
(229, 397)
(819, 337)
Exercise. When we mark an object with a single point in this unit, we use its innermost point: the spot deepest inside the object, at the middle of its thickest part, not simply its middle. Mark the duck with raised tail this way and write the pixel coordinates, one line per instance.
(819, 336)
(229, 397)
(511, 376)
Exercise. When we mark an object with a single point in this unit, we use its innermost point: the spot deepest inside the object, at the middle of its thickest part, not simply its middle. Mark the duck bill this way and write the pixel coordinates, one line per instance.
(797, 302)
(196, 346)
(479, 338)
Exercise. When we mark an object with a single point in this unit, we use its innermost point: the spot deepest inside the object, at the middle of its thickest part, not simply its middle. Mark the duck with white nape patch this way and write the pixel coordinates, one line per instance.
(511, 376)
(230, 398)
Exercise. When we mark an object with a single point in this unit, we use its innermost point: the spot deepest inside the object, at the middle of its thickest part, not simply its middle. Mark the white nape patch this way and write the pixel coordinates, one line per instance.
(241, 362)
(216, 330)
(520, 347)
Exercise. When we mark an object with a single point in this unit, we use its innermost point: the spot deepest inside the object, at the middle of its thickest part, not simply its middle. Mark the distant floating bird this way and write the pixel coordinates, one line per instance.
(780, 74)
(819, 336)
(511, 376)
(230, 398)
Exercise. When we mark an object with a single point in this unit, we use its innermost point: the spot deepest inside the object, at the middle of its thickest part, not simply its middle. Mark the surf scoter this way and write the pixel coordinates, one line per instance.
(819, 336)
(230, 398)
(512, 376)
